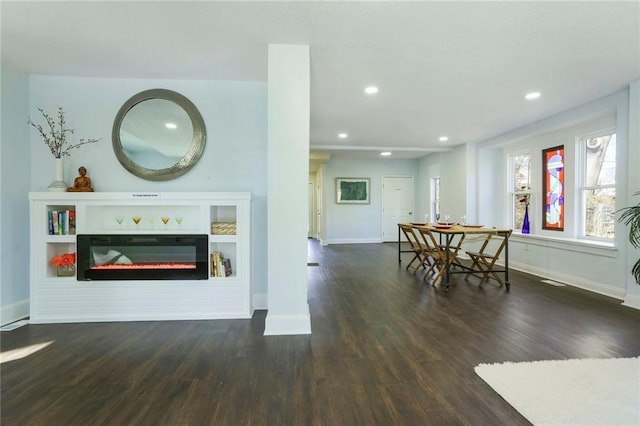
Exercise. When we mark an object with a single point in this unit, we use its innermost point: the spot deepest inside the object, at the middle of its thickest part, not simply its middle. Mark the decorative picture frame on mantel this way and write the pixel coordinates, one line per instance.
(353, 190)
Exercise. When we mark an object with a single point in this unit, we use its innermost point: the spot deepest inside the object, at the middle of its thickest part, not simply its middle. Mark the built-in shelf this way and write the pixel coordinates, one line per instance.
(64, 299)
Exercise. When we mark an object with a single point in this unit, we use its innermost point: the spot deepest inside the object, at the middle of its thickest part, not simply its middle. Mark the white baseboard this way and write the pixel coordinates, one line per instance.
(280, 325)
(593, 286)
(353, 241)
(14, 312)
(60, 319)
(259, 301)
(632, 301)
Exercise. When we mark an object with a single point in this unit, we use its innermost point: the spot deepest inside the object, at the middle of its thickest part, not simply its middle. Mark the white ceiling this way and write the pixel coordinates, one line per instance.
(443, 68)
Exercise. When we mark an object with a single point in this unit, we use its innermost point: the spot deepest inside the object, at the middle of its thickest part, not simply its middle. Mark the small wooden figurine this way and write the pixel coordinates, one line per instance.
(82, 183)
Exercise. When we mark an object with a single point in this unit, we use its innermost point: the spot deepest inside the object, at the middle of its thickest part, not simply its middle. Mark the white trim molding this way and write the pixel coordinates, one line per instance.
(352, 241)
(567, 244)
(14, 312)
(279, 325)
(632, 301)
(259, 301)
(596, 287)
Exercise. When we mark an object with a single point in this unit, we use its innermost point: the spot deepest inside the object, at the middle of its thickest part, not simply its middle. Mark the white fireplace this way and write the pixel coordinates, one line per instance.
(103, 257)
(141, 256)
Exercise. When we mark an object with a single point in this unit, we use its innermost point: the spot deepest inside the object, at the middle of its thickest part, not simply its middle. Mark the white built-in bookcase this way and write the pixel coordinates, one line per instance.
(64, 299)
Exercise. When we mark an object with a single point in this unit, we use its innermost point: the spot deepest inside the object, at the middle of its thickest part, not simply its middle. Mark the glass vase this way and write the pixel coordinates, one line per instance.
(525, 222)
(66, 270)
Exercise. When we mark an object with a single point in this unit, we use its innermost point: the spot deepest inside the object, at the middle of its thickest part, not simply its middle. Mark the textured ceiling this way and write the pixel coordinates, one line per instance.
(443, 68)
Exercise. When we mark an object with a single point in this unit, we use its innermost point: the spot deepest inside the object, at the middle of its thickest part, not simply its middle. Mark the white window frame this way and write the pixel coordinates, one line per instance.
(513, 193)
(581, 188)
(434, 205)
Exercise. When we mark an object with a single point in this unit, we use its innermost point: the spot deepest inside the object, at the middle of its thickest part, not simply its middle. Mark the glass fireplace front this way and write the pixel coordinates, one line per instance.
(142, 257)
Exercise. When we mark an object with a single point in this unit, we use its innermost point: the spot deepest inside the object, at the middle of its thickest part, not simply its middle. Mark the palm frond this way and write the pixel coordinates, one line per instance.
(636, 271)
(630, 216)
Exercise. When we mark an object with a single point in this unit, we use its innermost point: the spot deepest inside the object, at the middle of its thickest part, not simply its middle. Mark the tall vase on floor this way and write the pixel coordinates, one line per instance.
(525, 222)
(58, 184)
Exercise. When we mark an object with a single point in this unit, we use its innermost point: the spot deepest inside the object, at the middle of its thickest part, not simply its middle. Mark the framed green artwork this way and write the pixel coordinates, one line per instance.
(352, 191)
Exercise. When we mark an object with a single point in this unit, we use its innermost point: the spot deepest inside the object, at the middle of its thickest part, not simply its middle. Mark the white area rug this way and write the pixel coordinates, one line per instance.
(570, 392)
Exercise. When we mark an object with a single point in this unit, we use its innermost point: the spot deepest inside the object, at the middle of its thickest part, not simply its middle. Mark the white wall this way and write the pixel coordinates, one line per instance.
(472, 185)
(632, 297)
(235, 115)
(453, 183)
(457, 182)
(559, 255)
(15, 164)
(453, 170)
(428, 168)
(490, 187)
(358, 223)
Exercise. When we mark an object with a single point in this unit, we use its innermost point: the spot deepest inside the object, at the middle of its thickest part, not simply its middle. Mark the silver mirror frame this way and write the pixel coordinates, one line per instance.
(185, 163)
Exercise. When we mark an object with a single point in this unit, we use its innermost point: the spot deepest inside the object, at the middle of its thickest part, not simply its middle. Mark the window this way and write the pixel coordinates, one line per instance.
(597, 190)
(553, 188)
(435, 199)
(521, 187)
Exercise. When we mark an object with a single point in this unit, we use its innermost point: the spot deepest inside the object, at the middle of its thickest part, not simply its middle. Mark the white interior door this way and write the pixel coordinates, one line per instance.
(312, 212)
(397, 205)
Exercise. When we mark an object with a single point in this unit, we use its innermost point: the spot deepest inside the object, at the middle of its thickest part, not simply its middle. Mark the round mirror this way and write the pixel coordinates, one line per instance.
(158, 135)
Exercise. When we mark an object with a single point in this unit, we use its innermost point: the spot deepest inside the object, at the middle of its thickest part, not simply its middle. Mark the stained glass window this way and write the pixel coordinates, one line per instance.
(553, 188)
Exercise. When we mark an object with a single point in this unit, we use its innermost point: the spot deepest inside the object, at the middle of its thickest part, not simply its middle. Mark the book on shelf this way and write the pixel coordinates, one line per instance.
(216, 261)
(227, 267)
(55, 219)
(72, 222)
(61, 222)
(64, 223)
(50, 221)
(220, 266)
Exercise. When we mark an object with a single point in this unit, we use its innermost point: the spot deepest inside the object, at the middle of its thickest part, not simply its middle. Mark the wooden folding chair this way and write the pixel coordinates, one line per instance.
(484, 260)
(436, 254)
(419, 250)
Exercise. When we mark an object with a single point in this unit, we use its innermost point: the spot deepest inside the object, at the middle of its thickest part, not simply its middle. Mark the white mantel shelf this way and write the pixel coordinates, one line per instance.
(121, 196)
(64, 299)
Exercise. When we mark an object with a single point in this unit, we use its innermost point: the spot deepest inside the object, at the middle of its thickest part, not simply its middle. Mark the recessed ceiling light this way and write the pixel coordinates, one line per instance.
(532, 95)
(371, 90)
(443, 138)
(342, 135)
(385, 154)
(170, 125)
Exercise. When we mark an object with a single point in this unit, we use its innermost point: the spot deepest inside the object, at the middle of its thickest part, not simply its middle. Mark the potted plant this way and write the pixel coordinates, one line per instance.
(630, 216)
(65, 264)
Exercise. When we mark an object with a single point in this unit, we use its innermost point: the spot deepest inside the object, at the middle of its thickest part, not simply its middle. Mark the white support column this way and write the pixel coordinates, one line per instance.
(288, 174)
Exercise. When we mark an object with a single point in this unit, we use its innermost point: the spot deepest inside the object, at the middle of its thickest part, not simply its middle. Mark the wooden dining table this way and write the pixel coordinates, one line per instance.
(448, 235)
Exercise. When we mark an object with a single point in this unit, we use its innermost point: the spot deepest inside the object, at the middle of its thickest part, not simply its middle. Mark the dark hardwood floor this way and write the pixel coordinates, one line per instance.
(386, 349)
